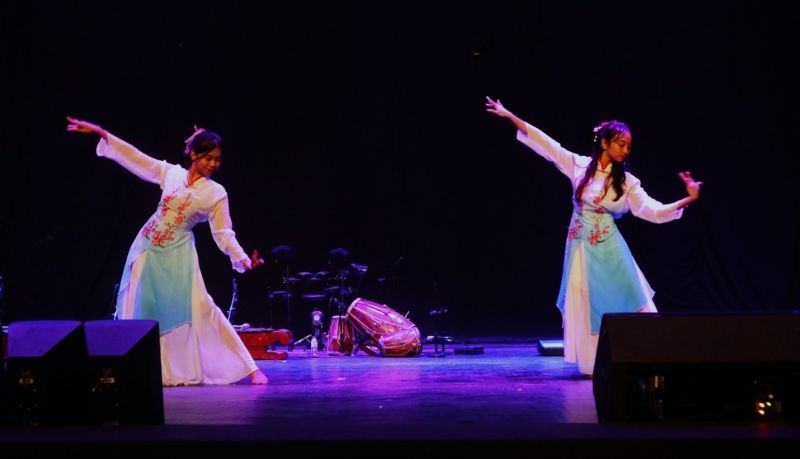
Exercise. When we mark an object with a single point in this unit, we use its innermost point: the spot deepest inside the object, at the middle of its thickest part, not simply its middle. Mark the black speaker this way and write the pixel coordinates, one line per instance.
(124, 372)
(45, 367)
(705, 367)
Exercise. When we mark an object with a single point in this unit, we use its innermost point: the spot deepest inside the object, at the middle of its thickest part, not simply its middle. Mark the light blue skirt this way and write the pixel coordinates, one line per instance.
(611, 274)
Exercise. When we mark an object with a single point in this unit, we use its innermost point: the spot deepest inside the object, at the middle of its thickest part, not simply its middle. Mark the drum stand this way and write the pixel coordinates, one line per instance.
(436, 338)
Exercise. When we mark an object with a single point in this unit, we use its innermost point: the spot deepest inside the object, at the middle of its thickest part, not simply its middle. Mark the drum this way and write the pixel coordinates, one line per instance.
(401, 344)
(340, 337)
(392, 334)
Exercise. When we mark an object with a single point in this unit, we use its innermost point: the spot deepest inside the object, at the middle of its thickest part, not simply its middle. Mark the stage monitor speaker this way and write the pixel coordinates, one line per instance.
(124, 372)
(44, 376)
(705, 367)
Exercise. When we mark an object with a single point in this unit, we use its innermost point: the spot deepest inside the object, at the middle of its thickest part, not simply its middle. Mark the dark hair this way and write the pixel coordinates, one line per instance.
(608, 131)
(202, 142)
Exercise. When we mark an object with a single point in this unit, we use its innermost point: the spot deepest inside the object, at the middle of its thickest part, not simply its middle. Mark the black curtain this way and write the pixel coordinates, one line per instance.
(361, 125)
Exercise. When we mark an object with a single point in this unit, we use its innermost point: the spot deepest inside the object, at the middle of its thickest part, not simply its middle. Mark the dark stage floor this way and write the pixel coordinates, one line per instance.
(509, 401)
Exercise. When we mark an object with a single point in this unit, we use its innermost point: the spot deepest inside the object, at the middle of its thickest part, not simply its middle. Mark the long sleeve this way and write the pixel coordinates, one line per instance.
(541, 143)
(647, 208)
(135, 161)
(225, 237)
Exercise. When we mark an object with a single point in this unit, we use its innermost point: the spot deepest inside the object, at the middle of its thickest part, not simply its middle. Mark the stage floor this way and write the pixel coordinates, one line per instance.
(508, 401)
(361, 396)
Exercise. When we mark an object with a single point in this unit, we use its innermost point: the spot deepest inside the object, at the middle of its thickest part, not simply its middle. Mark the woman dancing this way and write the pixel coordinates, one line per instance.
(600, 274)
(162, 279)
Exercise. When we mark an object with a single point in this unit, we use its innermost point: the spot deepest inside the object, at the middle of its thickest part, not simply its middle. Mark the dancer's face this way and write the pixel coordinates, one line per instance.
(618, 148)
(208, 163)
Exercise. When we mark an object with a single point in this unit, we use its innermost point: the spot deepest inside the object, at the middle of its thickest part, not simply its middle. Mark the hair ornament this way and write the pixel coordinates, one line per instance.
(188, 141)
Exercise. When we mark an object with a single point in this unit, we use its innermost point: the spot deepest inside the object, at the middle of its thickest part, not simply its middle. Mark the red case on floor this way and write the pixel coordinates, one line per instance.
(257, 341)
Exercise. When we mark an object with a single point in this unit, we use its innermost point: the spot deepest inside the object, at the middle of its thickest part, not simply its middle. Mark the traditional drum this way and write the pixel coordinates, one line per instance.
(387, 332)
(340, 337)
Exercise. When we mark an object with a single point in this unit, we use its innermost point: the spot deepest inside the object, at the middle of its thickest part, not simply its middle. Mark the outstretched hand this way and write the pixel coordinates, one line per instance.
(496, 107)
(255, 260)
(85, 127)
(692, 186)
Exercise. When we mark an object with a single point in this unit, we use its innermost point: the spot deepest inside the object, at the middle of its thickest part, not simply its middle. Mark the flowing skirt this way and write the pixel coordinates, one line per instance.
(204, 350)
(580, 343)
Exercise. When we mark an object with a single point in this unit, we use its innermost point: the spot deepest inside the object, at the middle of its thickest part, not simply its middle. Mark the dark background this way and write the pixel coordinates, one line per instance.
(362, 125)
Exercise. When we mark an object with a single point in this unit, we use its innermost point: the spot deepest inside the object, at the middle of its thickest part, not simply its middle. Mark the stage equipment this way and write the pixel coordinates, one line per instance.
(340, 337)
(234, 301)
(258, 340)
(124, 371)
(383, 331)
(436, 338)
(282, 256)
(698, 367)
(550, 347)
(316, 319)
(315, 337)
(45, 372)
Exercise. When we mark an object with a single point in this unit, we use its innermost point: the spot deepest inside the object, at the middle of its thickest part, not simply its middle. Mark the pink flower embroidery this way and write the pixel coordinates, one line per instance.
(184, 204)
(574, 230)
(148, 229)
(595, 233)
(161, 237)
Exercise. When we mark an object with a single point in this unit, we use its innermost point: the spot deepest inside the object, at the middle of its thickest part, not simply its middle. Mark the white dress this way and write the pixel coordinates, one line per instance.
(162, 279)
(600, 274)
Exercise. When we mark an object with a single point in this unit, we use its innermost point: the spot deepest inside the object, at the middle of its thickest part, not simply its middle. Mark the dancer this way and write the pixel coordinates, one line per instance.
(600, 274)
(162, 279)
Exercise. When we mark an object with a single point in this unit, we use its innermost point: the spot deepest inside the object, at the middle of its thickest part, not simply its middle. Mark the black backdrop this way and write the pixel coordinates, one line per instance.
(361, 125)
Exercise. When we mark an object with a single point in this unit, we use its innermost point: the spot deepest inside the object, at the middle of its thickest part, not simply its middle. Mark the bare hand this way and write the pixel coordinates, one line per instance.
(692, 187)
(496, 107)
(84, 127)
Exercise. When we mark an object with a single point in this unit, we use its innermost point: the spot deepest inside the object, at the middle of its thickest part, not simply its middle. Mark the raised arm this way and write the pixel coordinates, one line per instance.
(225, 237)
(647, 208)
(110, 146)
(85, 127)
(537, 140)
(496, 107)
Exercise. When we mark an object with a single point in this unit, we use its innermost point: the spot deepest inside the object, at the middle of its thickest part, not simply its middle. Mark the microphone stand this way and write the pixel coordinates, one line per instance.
(111, 312)
(234, 301)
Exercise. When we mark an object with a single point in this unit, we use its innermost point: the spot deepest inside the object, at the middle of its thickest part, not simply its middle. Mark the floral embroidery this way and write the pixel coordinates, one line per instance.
(596, 232)
(161, 237)
(575, 228)
(149, 228)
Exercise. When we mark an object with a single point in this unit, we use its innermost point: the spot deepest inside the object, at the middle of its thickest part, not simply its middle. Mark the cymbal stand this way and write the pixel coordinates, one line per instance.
(234, 302)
